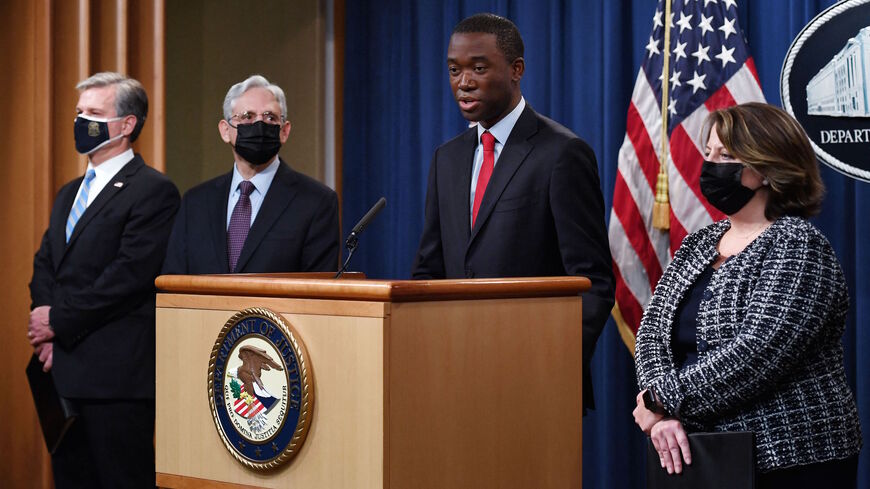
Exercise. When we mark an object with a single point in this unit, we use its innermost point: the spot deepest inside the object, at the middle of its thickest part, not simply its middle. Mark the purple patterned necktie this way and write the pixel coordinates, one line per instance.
(240, 222)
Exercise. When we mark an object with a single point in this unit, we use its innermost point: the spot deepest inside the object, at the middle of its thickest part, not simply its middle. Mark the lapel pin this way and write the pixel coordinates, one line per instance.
(119, 184)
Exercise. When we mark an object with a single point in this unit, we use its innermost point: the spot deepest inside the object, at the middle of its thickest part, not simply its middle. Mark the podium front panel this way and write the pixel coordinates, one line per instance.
(485, 394)
(429, 384)
(344, 446)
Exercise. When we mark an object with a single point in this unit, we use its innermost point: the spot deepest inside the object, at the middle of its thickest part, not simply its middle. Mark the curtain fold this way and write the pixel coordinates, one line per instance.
(581, 58)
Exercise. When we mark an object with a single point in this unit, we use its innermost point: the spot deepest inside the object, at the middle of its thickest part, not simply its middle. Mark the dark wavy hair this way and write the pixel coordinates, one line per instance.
(771, 142)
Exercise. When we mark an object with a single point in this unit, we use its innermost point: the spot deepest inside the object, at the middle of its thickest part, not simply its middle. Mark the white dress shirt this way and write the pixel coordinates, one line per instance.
(103, 174)
(501, 130)
(262, 181)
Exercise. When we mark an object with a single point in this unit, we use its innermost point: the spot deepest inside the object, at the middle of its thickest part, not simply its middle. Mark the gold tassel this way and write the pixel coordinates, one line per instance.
(662, 206)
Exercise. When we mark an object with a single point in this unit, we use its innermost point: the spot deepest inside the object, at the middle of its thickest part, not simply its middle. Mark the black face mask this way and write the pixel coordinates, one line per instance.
(720, 184)
(92, 134)
(259, 142)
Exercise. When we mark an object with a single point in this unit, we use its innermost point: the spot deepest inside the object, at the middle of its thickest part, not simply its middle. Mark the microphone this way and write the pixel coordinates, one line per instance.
(380, 204)
(353, 238)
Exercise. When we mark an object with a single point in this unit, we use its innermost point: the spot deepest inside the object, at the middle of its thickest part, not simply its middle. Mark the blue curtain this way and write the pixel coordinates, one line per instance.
(582, 58)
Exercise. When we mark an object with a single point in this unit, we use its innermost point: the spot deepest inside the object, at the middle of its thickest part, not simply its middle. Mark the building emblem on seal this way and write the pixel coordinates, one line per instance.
(825, 85)
(260, 388)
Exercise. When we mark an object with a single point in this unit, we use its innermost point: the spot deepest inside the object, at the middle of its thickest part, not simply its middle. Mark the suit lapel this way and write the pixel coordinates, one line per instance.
(58, 232)
(461, 167)
(217, 217)
(512, 156)
(277, 199)
(115, 186)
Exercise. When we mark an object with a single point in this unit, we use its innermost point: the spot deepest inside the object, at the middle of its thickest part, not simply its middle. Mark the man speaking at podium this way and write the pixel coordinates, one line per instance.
(262, 216)
(517, 195)
(92, 318)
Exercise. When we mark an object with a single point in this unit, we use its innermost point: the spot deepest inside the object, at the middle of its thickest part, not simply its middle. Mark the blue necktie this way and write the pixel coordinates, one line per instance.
(81, 204)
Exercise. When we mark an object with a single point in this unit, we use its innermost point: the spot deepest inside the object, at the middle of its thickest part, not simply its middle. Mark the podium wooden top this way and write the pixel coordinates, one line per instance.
(354, 288)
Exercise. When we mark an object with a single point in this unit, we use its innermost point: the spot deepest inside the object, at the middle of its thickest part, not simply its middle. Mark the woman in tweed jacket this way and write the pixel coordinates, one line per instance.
(743, 332)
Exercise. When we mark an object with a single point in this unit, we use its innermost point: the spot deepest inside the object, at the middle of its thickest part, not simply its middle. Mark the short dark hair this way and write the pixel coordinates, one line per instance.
(130, 96)
(771, 142)
(507, 36)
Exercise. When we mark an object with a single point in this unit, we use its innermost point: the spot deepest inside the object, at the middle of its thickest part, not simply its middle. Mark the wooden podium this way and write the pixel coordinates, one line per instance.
(418, 384)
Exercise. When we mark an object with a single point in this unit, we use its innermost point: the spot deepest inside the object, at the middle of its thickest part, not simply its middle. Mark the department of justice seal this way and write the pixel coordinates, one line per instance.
(825, 85)
(260, 388)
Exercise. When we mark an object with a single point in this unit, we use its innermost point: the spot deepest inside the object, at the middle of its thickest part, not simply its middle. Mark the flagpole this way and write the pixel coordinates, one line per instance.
(661, 207)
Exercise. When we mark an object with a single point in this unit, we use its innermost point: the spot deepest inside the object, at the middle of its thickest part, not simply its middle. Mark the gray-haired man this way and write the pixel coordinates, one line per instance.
(262, 216)
(92, 311)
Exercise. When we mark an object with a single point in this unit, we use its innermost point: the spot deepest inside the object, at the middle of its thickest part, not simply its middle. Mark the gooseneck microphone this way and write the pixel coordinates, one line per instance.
(353, 238)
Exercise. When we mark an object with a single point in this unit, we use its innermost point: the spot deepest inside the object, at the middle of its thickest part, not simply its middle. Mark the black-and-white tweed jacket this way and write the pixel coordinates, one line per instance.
(770, 357)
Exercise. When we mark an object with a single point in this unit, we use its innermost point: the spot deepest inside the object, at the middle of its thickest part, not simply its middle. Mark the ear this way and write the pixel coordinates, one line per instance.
(224, 130)
(518, 67)
(128, 124)
(285, 132)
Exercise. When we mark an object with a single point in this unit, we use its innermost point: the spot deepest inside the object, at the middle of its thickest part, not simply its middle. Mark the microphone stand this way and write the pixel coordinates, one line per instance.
(351, 244)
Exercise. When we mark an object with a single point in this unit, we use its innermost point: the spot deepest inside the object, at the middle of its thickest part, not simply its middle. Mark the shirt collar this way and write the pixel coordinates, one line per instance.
(262, 180)
(113, 165)
(502, 129)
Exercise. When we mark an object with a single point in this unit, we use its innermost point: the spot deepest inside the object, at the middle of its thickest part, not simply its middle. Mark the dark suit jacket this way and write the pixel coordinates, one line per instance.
(100, 285)
(542, 215)
(296, 229)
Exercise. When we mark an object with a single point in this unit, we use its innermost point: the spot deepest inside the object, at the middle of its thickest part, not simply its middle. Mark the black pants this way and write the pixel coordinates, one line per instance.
(834, 474)
(110, 445)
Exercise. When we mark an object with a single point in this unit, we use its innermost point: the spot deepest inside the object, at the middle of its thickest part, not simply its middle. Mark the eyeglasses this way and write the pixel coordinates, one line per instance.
(252, 117)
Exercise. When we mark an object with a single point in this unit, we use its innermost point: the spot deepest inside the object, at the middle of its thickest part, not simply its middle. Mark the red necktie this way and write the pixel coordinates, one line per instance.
(488, 141)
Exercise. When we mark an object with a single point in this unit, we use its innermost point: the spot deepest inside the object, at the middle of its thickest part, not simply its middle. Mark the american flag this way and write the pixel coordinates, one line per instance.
(709, 68)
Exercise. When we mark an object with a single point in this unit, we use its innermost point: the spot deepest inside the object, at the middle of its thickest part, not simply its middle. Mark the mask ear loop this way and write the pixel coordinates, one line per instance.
(119, 136)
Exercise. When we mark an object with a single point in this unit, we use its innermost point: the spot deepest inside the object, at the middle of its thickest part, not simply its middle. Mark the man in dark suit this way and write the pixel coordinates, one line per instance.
(92, 318)
(517, 195)
(262, 216)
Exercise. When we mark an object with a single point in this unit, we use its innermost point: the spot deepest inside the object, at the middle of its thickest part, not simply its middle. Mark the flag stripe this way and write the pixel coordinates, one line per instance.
(635, 230)
(720, 99)
(643, 147)
(687, 161)
(631, 309)
(677, 231)
(644, 101)
(245, 409)
(693, 125)
(744, 85)
(637, 282)
(644, 198)
(750, 65)
(686, 208)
